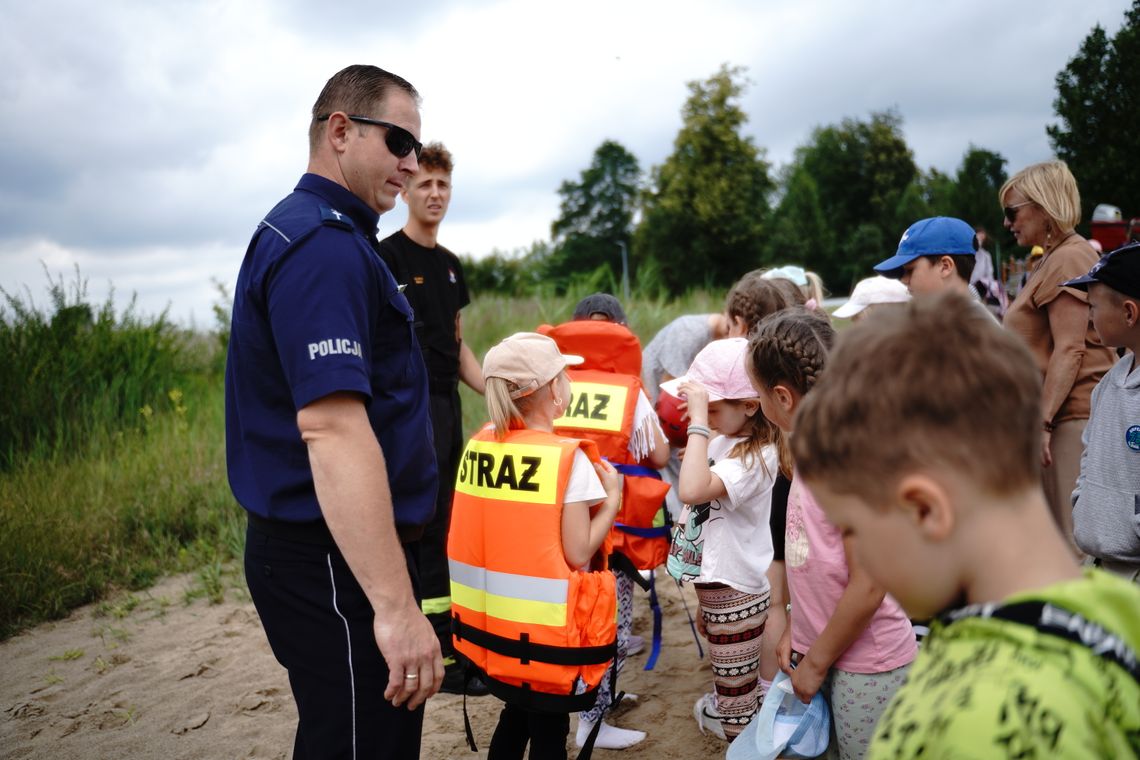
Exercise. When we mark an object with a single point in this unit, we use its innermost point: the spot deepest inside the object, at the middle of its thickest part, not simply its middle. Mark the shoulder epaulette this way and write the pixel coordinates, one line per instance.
(334, 218)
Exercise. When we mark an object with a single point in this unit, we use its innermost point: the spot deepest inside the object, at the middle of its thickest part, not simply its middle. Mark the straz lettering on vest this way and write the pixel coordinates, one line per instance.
(593, 406)
(509, 471)
(480, 468)
(333, 346)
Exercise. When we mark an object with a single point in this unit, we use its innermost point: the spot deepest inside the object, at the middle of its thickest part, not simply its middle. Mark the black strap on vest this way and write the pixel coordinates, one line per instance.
(524, 696)
(620, 563)
(1057, 621)
(526, 651)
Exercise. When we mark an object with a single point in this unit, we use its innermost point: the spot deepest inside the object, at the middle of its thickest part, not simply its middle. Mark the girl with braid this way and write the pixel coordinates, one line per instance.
(845, 635)
(754, 297)
(725, 546)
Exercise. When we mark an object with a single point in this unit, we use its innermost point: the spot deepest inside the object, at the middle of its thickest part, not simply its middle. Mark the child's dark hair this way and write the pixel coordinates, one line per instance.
(752, 298)
(963, 264)
(790, 348)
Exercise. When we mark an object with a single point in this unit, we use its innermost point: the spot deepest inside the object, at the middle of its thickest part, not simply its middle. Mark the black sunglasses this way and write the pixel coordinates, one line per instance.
(1011, 211)
(399, 140)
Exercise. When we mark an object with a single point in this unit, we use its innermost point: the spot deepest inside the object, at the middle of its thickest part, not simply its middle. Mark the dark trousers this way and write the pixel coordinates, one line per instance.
(435, 581)
(319, 625)
(546, 733)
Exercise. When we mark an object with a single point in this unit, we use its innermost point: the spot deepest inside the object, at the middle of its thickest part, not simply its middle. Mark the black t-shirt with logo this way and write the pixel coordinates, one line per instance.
(436, 290)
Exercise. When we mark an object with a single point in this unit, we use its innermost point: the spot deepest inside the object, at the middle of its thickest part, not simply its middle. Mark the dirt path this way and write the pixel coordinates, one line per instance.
(150, 676)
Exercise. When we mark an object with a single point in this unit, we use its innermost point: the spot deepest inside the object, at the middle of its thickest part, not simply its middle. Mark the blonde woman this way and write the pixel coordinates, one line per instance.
(1042, 207)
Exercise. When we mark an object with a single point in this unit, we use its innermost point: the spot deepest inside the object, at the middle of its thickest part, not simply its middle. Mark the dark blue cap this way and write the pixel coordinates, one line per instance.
(1119, 270)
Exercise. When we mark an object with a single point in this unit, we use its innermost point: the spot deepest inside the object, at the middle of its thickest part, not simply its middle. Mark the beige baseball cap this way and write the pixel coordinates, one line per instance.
(527, 361)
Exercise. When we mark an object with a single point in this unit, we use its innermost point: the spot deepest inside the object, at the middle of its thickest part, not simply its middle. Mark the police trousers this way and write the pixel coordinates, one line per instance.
(319, 625)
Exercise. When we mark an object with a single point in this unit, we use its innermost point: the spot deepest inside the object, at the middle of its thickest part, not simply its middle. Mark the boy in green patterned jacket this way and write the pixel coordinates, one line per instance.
(921, 441)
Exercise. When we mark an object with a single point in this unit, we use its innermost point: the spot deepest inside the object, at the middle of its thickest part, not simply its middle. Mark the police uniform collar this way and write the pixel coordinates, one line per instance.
(343, 200)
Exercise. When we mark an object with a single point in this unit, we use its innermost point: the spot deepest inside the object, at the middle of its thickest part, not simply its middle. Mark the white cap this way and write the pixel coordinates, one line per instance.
(871, 291)
(789, 272)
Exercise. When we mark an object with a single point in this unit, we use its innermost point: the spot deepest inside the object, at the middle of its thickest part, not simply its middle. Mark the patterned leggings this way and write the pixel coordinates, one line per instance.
(734, 622)
(624, 627)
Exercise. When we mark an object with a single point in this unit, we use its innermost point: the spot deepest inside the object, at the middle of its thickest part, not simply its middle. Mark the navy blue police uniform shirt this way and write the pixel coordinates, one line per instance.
(316, 312)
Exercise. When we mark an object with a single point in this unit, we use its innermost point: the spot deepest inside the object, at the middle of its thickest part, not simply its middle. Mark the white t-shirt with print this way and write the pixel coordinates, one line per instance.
(737, 534)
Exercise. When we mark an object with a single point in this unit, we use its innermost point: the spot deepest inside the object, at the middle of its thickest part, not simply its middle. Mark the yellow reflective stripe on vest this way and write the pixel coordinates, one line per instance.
(518, 598)
(594, 406)
(509, 472)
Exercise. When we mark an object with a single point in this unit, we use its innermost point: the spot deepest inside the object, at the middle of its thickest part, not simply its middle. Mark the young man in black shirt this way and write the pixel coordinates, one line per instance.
(437, 292)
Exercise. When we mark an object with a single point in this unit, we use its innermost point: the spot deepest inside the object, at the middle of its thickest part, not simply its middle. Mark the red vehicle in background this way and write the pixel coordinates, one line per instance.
(1111, 229)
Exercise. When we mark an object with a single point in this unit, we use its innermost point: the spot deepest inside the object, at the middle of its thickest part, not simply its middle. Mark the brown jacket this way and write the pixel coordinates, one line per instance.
(1027, 317)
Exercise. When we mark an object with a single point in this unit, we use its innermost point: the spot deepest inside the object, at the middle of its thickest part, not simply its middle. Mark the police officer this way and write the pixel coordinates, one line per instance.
(328, 438)
(435, 287)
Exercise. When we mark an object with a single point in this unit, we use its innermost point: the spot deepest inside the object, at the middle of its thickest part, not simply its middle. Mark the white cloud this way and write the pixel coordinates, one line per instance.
(151, 137)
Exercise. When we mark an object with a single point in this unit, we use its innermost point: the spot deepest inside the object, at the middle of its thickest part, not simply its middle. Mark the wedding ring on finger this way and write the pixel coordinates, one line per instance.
(411, 677)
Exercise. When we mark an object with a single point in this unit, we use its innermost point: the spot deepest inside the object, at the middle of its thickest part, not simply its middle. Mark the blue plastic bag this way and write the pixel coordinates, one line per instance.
(784, 726)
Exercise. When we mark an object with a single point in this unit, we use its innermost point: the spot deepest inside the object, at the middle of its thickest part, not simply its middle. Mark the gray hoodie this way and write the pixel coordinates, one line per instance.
(1106, 502)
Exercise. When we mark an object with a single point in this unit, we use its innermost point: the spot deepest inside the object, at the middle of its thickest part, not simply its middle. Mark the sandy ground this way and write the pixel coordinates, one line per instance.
(161, 678)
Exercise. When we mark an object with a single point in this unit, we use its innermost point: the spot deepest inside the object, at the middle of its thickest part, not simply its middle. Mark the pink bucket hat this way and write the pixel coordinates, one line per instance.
(719, 367)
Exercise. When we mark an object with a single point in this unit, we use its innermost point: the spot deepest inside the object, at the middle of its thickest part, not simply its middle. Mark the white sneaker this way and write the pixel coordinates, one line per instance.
(704, 711)
(609, 737)
(635, 645)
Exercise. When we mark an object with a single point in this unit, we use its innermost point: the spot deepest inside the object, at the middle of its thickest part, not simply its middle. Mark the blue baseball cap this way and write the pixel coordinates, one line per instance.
(937, 236)
(1119, 270)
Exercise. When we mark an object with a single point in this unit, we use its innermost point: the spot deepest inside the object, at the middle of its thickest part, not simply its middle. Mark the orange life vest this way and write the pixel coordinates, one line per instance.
(520, 614)
(601, 408)
(606, 346)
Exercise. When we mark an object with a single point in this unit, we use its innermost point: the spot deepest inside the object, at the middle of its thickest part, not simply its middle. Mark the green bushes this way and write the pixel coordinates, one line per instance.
(79, 371)
(130, 507)
(112, 462)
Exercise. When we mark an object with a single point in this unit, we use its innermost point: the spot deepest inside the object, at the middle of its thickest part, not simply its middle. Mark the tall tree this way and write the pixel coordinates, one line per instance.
(704, 215)
(1098, 98)
(862, 170)
(799, 232)
(596, 215)
(980, 176)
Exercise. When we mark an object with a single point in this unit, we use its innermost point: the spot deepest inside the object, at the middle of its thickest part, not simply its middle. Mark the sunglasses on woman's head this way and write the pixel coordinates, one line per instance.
(400, 141)
(1011, 211)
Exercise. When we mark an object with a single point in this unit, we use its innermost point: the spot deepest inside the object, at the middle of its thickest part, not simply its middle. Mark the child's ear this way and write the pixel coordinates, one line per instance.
(785, 397)
(751, 406)
(1131, 312)
(927, 504)
(946, 266)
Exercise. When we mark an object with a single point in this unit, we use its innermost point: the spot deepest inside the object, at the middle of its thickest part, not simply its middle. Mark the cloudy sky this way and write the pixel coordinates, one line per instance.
(143, 141)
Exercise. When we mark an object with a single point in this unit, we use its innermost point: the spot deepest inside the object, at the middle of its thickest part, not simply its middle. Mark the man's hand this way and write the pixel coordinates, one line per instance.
(409, 645)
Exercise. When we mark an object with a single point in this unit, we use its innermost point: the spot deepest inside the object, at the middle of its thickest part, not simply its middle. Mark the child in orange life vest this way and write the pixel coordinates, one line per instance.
(852, 640)
(727, 484)
(526, 390)
(628, 435)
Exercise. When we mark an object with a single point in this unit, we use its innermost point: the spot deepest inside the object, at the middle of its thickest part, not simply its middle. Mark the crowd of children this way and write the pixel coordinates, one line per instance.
(830, 489)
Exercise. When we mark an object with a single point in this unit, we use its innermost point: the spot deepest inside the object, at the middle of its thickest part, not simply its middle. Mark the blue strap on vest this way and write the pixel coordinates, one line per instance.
(655, 605)
(639, 471)
(659, 532)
